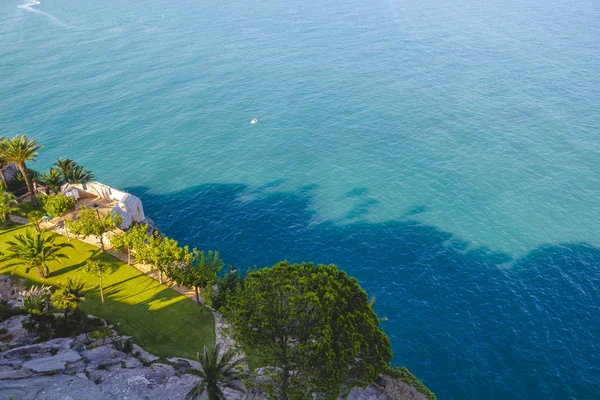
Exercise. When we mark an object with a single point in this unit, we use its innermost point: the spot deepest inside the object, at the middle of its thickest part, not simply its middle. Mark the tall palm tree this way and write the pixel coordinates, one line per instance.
(35, 250)
(218, 371)
(20, 150)
(52, 180)
(68, 296)
(8, 204)
(80, 175)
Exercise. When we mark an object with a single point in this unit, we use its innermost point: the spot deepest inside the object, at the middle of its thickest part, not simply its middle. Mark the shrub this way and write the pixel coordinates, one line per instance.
(37, 298)
(127, 346)
(7, 312)
(102, 333)
(225, 287)
(42, 324)
(406, 376)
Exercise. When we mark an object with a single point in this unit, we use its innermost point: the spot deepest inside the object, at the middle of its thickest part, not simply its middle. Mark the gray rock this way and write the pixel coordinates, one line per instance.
(55, 387)
(144, 355)
(132, 362)
(183, 365)
(178, 387)
(83, 338)
(138, 383)
(103, 355)
(13, 373)
(52, 363)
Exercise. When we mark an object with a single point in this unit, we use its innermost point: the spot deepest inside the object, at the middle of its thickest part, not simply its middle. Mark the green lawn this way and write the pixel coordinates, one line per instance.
(159, 319)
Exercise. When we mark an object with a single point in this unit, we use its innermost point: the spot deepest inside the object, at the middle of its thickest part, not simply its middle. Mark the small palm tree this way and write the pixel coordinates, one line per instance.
(21, 150)
(80, 175)
(36, 250)
(65, 166)
(8, 204)
(218, 371)
(68, 296)
(34, 218)
(52, 180)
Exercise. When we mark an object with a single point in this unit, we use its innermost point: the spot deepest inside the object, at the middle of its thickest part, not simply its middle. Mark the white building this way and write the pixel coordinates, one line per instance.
(125, 204)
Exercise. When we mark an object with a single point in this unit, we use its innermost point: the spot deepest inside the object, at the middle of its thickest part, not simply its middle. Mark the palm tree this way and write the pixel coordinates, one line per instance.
(52, 180)
(218, 371)
(3, 164)
(34, 218)
(65, 166)
(36, 250)
(8, 204)
(20, 150)
(68, 296)
(80, 175)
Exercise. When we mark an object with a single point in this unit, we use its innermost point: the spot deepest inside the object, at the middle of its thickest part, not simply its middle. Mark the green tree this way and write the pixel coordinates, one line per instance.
(21, 150)
(314, 324)
(134, 238)
(161, 253)
(218, 372)
(36, 250)
(8, 204)
(65, 166)
(199, 272)
(34, 218)
(59, 205)
(68, 296)
(52, 180)
(97, 269)
(89, 222)
(80, 175)
(3, 164)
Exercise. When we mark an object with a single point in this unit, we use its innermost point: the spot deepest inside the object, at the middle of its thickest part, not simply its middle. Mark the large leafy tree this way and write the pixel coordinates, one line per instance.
(133, 239)
(198, 271)
(20, 150)
(68, 296)
(99, 270)
(219, 370)
(89, 222)
(36, 250)
(52, 180)
(59, 205)
(8, 204)
(314, 324)
(162, 253)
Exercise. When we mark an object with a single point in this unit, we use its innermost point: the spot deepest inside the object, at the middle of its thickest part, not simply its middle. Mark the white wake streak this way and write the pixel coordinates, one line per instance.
(29, 7)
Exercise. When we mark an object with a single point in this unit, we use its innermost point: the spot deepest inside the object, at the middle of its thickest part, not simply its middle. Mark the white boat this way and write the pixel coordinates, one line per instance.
(253, 121)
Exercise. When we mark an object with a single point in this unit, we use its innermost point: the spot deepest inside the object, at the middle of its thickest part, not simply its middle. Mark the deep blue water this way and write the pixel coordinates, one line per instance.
(447, 154)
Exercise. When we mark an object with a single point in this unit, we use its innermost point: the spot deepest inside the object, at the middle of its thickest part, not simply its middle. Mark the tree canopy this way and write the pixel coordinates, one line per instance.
(198, 271)
(88, 223)
(314, 324)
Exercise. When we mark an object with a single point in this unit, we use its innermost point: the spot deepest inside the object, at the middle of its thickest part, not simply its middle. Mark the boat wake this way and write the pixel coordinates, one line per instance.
(29, 7)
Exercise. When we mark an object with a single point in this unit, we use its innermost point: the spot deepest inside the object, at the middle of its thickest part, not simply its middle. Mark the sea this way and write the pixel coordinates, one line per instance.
(445, 153)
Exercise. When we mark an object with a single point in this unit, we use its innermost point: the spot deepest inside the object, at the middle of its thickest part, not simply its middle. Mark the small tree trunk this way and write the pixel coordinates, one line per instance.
(65, 321)
(160, 276)
(66, 230)
(101, 293)
(3, 178)
(197, 295)
(128, 256)
(28, 184)
(101, 242)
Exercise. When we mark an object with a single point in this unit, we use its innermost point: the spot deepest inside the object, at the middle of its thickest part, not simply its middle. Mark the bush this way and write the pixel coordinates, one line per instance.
(406, 376)
(6, 312)
(225, 287)
(41, 324)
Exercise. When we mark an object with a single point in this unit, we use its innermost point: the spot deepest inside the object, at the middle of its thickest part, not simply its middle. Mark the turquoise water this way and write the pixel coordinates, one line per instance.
(447, 154)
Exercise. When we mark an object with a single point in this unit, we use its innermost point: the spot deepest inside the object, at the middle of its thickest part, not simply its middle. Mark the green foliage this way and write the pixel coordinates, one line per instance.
(406, 376)
(20, 150)
(7, 312)
(52, 180)
(71, 172)
(8, 204)
(97, 269)
(314, 324)
(37, 298)
(134, 238)
(35, 250)
(226, 287)
(58, 205)
(88, 223)
(127, 346)
(162, 253)
(102, 333)
(218, 372)
(34, 218)
(41, 323)
(199, 270)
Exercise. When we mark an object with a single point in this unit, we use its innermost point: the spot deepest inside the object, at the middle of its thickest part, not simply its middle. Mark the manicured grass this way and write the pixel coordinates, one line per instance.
(159, 319)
